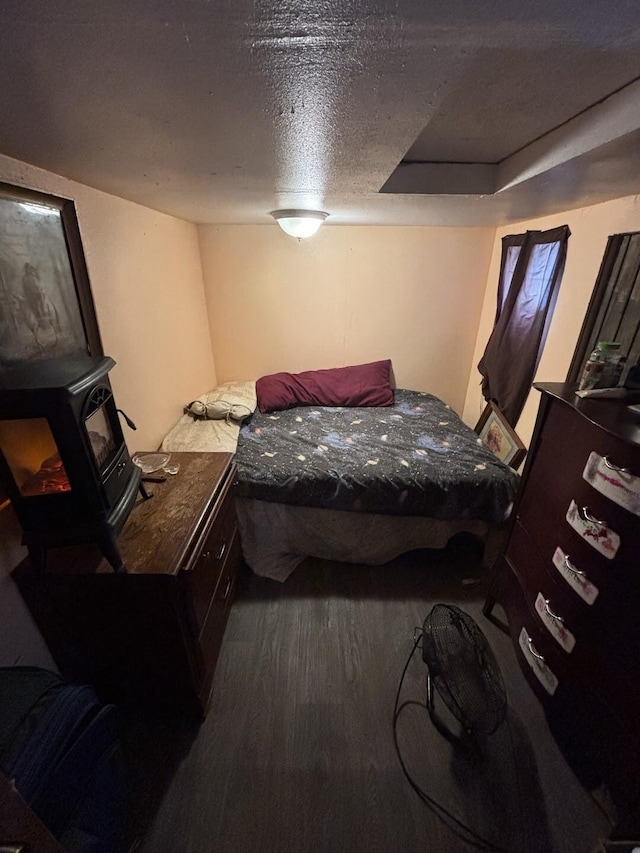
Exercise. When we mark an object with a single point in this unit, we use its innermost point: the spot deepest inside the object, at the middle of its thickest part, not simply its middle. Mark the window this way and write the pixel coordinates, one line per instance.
(510, 253)
(531, 269)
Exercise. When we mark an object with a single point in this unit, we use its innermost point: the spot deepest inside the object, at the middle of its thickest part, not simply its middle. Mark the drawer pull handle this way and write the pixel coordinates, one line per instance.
(533, 649)
(227, 589)
(572, 568)
(553, 615)
(207, 555)
(613, 467)
(588, 517)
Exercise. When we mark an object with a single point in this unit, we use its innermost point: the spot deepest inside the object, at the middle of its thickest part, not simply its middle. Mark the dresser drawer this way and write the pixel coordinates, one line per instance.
(205, 567)
(566, 443)
(210, 638)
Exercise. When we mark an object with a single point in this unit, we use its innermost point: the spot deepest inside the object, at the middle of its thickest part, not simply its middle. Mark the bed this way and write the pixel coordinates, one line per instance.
(358, 484)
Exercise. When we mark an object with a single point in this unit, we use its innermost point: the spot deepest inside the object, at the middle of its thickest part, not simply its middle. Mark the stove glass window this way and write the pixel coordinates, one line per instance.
(33, 457)
(100, 436)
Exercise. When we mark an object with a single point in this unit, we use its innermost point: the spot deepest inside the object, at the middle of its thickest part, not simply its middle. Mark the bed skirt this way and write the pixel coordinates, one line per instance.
(276, 538)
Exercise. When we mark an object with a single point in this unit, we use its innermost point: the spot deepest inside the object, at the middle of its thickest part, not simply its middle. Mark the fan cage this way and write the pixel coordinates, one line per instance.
(463, 669)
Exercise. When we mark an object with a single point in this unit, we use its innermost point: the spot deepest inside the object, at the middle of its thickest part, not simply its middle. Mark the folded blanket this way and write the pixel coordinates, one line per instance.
(212, 435)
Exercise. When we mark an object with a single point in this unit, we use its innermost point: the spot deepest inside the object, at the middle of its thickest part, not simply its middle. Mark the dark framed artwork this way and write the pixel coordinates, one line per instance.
(499, 437)
(46, 306)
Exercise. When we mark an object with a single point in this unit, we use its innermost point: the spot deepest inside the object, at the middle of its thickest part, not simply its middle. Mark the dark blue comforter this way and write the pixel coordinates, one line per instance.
(414, 458)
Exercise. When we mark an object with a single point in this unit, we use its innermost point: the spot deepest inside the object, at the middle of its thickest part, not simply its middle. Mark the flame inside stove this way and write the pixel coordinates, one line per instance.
(33, 457)
(50, 479)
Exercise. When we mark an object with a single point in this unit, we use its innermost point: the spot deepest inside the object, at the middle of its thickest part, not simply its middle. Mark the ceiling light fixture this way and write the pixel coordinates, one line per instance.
(299, 223)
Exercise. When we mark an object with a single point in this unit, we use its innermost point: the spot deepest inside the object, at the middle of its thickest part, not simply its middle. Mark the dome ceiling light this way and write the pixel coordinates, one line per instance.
(299, 223)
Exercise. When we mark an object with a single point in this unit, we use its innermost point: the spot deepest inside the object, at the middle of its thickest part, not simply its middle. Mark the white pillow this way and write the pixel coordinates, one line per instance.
(204, 436)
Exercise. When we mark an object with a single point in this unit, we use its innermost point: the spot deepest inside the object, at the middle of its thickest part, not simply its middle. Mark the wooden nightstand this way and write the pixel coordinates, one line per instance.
(153, 633)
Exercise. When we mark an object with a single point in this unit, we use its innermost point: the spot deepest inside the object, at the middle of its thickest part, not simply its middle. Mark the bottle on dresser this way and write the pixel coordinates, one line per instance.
(601, 368)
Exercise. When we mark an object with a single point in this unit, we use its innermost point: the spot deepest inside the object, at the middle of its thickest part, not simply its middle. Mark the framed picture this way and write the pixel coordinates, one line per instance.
(46, 306)
(499, 437)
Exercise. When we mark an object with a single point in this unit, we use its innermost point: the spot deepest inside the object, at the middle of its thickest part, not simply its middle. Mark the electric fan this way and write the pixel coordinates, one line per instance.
(463, 669)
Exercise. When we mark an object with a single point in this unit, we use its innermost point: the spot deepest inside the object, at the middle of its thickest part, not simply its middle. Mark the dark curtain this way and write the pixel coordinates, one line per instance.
(530, 273)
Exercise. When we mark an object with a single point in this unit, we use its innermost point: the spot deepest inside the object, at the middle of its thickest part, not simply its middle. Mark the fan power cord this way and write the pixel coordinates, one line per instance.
(460, 829)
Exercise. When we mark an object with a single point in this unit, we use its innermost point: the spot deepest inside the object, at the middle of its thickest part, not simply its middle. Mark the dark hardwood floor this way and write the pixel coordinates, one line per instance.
(297, 752)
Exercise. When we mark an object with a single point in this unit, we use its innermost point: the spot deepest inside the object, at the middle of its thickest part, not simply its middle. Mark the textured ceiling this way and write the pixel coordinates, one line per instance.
(219, 112)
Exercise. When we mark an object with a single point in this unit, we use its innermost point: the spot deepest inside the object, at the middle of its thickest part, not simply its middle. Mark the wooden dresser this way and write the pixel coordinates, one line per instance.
(153, 633)
(569, 582)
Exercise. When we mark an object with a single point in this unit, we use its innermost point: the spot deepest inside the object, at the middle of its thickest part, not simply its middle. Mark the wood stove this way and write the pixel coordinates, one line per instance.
(63, 458)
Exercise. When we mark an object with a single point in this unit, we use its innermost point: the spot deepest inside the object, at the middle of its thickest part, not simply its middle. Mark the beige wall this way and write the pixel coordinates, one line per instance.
(590, 227)
(146, 280)
(347, 296)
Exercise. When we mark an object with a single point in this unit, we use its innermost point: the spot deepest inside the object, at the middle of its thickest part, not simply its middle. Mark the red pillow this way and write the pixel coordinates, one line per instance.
(358, 385)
